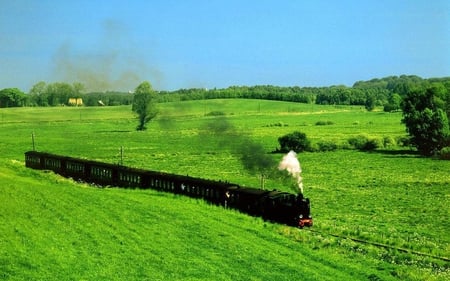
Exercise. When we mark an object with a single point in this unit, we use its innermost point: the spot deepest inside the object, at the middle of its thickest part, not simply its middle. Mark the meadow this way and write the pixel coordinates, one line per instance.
(58, 229)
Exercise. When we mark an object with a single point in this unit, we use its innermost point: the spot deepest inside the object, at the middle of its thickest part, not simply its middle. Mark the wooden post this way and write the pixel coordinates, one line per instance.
(121, 155)
(32, 141)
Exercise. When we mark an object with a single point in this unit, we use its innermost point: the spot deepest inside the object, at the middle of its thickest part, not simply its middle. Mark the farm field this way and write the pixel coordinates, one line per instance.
(57, 229)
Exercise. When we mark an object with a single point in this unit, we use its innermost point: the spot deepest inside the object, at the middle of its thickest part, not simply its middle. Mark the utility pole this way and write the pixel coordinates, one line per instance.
(32, 141)
(121, 155)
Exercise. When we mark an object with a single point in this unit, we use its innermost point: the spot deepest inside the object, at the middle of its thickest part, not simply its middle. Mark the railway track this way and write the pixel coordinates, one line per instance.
(381, 245)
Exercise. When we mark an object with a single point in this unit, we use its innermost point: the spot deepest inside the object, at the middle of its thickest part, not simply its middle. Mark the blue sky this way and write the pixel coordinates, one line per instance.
(115, 45)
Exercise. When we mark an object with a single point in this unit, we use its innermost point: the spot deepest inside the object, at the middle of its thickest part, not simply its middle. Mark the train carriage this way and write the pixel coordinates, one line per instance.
(274, 205)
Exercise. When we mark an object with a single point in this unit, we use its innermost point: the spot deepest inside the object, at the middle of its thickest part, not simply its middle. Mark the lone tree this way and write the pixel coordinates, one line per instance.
(425, 118)
(144, 104)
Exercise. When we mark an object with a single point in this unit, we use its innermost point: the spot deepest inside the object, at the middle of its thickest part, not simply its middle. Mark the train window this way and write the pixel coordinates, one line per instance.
(33, 159)
(129, 178)
(52, 163)
(101, 173)
(75, 167)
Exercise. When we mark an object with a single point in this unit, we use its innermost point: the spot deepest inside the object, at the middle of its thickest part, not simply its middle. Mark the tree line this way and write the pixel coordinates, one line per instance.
(59, 94)
(387, 92)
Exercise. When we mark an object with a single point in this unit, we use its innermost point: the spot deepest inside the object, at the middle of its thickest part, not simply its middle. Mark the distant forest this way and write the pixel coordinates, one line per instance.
(387, 92)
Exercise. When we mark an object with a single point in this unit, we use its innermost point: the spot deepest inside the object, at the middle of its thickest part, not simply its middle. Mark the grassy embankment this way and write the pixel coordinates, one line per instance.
(57, 229)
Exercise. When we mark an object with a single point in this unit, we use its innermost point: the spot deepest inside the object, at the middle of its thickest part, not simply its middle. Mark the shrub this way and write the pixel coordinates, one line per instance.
(323, 123)
(357, 142)
(278, 124)
(371, 145)
(390, 107)
(404, 141)
(444, 153)
(215, 113)
(296, 141)
(326, 146)
(388, 141)
(363, 143)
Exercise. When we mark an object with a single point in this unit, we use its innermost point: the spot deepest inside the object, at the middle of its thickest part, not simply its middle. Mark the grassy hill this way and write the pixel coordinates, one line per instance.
(57, 229)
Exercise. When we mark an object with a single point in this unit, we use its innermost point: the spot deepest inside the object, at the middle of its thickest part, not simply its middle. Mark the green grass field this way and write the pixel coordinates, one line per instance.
(55, 229)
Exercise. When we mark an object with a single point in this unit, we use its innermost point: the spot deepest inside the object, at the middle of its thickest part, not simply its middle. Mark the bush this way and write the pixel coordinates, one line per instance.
(326, 146)
(371, 145)
(296, 141)
(404, 141)
(363, 143)
(388, 141)
(278, 124)
(357, 142)
(390, 107)
(444, 153)
(215, 113)
(323, 123)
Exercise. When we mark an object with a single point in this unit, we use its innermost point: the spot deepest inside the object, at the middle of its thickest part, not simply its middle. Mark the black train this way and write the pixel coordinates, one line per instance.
(272, 205)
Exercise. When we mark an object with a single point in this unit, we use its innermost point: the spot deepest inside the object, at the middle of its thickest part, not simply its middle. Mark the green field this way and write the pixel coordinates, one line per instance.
(56, 229)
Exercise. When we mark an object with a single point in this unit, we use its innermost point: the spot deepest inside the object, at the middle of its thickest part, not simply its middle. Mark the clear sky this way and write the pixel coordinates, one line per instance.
(115, 45)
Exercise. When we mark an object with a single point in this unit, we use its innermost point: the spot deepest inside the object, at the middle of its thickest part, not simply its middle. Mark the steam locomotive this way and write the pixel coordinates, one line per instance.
(273, 205)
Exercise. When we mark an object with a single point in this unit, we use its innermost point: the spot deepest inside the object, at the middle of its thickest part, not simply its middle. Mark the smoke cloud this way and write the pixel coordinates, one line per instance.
(291, 164)
(114, 63)
(252, 155)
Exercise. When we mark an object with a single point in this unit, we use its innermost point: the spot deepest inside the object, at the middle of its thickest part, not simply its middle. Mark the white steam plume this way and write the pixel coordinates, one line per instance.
(291, 164)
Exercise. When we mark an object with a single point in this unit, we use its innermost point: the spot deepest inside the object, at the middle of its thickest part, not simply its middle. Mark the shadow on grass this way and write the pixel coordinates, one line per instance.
(402, 153)
(114, 131)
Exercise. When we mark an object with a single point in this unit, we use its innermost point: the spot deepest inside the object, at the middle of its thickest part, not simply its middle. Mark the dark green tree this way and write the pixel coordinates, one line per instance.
(296, 141)
(38, 94)
(394, 103)
(370, 103)
(58, 93)
(144, 104)
(12, 97)
(425, 118)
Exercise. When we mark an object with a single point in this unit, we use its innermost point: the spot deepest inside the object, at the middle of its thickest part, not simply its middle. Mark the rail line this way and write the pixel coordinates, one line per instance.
(381, 245)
